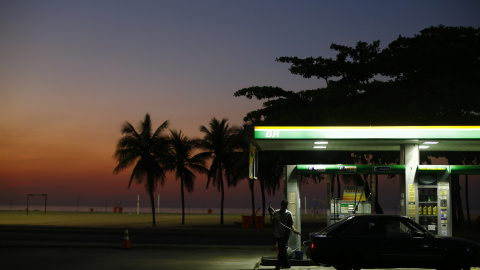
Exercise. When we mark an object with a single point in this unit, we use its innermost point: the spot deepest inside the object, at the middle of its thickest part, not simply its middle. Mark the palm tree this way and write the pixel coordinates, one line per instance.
(183, 163)
(240, 167)
(219, 143)
(146, 152)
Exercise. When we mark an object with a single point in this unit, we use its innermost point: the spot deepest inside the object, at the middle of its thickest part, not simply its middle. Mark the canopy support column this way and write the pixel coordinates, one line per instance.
(292, 194)
(410, 157)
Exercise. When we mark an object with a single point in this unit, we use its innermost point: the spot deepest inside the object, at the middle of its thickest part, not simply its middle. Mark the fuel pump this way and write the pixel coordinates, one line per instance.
(353, 201)
(432, 199)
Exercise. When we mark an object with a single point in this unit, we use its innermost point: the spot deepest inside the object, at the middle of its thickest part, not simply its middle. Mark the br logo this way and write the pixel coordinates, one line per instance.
(272, 134)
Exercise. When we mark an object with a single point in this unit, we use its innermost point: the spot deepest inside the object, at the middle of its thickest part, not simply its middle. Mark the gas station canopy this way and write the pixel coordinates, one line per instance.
(424, 189)
(369, 138)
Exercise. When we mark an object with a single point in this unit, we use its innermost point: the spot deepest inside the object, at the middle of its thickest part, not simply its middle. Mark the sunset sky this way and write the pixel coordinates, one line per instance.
(71, 72)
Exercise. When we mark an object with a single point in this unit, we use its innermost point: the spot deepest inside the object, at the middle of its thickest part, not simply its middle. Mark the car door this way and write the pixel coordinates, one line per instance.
(404, 245)
(356, 243)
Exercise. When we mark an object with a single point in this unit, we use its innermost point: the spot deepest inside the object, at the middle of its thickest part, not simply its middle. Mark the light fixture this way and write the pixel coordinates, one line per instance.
(430, 142)
(424, 146)
(320, 145)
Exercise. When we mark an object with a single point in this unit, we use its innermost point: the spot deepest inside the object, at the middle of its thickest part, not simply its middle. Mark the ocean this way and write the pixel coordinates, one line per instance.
(112, 209)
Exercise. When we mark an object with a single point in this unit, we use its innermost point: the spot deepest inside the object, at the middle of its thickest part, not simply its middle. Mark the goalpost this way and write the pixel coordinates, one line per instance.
(43, 195)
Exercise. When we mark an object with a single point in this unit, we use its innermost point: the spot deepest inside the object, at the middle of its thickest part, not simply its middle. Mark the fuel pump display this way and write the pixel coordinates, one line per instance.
(353, 201)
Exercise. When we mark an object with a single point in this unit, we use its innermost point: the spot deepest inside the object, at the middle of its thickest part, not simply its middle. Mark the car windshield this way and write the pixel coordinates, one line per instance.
(415, 227)
(335, 225)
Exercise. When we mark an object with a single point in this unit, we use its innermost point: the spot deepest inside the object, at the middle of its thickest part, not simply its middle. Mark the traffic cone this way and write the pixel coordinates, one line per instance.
(126, 240)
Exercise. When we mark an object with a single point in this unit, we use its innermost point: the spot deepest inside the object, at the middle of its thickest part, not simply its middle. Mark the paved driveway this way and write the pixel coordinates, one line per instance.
(88, 258)
(145, 258)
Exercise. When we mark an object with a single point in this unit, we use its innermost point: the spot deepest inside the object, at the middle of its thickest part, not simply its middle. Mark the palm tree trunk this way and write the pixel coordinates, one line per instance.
(467, 203)
(332, 187)
(223, 200)
(458, 217)
(251, 186)
(150, 183)
(262, 190)
(338, 186)
(152, 203)
(453, 202)
(220, 177)
(183, 201)
(378, 208)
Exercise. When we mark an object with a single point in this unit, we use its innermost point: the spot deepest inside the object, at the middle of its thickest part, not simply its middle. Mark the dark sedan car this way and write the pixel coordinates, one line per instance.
(388, 241)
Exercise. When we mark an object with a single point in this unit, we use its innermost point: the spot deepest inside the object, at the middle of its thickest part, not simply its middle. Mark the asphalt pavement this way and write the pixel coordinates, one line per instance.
(169, 258)
(78, 258)
(43, 247)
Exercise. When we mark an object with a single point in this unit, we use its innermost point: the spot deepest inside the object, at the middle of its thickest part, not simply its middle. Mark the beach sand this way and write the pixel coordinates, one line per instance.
(122, 220)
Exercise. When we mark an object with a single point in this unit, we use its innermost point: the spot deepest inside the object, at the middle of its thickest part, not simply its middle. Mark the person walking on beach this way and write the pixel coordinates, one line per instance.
(283, 223)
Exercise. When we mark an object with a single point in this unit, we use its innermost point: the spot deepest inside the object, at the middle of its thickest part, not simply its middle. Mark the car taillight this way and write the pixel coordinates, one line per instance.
(312, 245)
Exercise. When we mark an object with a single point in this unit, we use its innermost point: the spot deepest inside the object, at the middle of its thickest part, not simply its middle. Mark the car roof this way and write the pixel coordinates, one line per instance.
(379, 215)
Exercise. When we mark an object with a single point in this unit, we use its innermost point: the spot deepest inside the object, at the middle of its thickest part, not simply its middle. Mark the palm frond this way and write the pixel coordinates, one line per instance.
(128, 129)
(160, 129)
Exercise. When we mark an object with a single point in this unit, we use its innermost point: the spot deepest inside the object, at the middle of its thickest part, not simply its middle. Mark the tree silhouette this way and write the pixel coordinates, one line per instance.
(240, 167)
(185, 163)
(146, 152)
(432, 78)
(219, 146)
